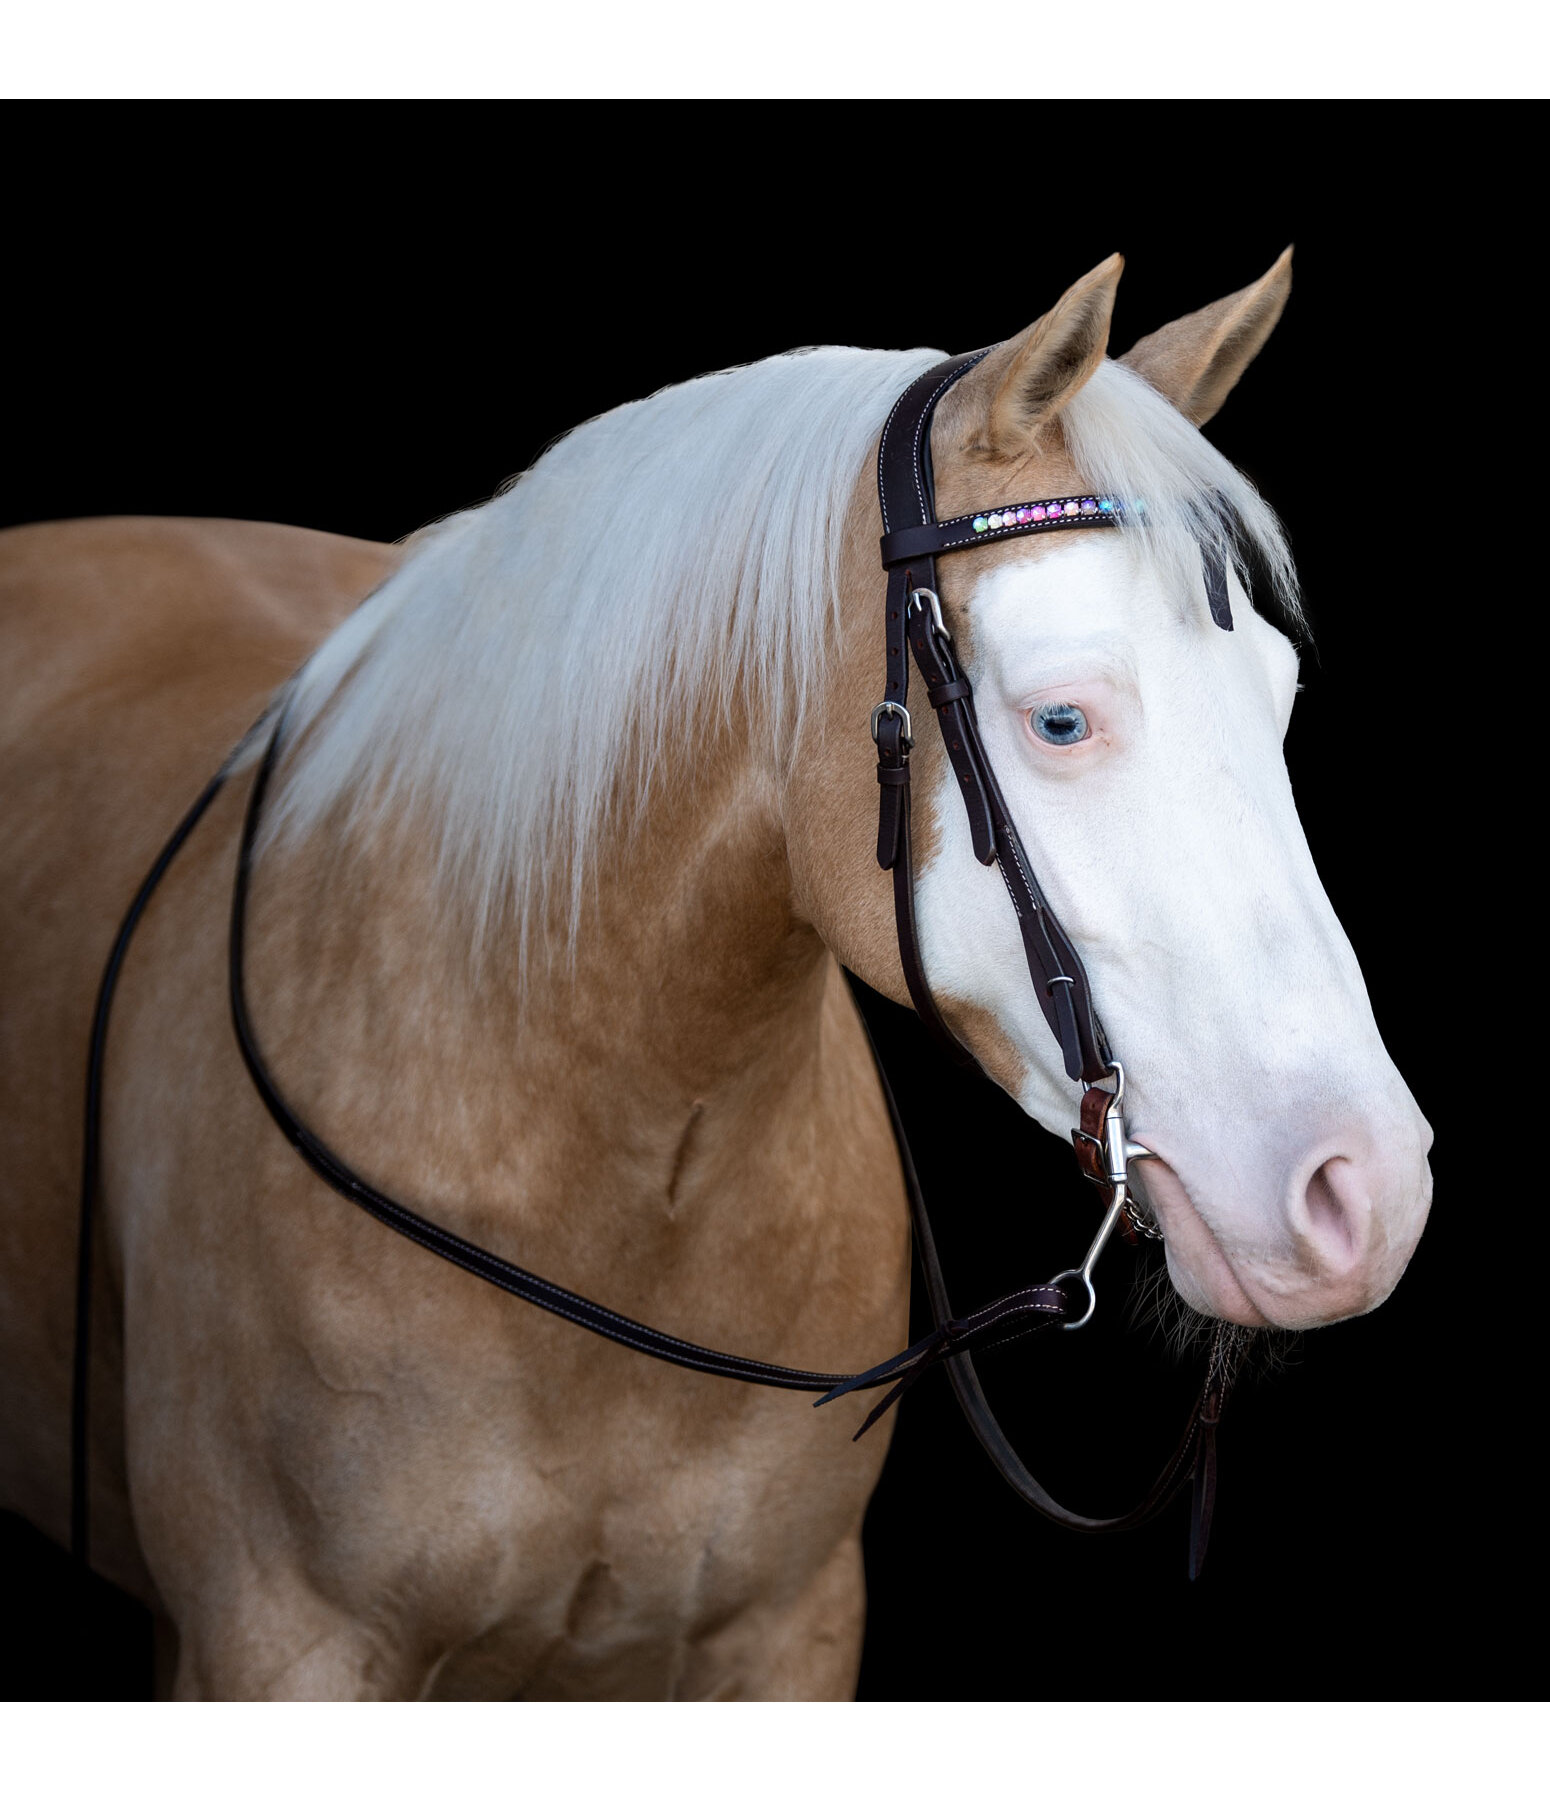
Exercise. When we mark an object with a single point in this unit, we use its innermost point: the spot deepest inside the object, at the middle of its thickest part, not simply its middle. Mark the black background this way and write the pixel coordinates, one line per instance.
(361, 318)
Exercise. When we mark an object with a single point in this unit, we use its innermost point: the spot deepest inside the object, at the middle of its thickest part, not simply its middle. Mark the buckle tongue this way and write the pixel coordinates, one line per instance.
(892, 706)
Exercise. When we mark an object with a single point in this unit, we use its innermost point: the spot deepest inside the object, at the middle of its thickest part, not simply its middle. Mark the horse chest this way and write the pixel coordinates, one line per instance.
(671, 1577)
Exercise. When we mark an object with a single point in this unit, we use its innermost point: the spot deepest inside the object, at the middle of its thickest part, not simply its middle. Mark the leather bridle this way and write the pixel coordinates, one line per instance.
(913, 537)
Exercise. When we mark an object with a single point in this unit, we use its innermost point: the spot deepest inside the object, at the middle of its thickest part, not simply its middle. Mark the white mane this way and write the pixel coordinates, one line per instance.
(512, 677)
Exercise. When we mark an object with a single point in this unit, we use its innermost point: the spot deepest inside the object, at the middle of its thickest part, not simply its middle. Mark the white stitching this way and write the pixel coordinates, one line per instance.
(1064, 522)
(1061, 500)
(924, 419)
(882, 447)
(882, 451)
(1014, 1305)
(1031, 889)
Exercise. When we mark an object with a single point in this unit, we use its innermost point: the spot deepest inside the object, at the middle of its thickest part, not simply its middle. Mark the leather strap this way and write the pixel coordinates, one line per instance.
(1087, 1137)
(895, 852)
(1059, 978)
(1216, 587)
(1071, 512)
(905, 490)
(91, 1166)
(912, 537)
(448, 1245)
(1193, 1459)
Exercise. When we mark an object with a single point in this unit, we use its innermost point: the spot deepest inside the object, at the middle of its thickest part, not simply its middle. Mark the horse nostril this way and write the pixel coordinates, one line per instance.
(1335, 1209)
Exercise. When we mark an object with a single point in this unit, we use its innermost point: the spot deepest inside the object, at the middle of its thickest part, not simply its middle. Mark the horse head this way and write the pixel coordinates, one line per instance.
(1139, 748)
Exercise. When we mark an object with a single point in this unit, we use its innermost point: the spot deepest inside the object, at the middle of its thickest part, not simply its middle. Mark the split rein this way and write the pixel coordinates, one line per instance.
(912, 539)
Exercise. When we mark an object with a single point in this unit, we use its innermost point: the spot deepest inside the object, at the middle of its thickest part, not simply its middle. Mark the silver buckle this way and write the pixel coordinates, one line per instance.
(892, 706)
(918, 597)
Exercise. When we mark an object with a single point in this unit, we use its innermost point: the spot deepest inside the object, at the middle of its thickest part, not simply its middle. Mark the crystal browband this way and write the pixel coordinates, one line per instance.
(1021, 520)
(1042, 510)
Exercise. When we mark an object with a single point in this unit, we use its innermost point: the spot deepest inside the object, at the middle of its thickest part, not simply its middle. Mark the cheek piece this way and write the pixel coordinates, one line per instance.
(914, 629)
(913, 539)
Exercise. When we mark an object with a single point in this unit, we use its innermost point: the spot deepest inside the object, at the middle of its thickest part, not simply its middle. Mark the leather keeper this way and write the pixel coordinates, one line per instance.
(1066, 1032)
(947, 686)
(1087, 1138)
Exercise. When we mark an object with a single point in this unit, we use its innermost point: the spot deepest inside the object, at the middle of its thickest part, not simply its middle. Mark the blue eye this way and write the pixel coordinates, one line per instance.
(1060, 724)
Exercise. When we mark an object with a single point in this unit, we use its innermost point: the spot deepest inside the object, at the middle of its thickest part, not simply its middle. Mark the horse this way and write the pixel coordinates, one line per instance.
(568, 848)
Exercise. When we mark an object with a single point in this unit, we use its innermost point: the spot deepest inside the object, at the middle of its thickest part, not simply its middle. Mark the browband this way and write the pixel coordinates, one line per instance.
(1023, 520)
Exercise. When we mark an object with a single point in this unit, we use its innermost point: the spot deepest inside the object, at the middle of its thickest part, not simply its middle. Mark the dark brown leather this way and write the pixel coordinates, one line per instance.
(950, 692)
(907, 935)
(894, 844)
(917, 542)
(1216, 587)
(1193, 1459)
(905, 497)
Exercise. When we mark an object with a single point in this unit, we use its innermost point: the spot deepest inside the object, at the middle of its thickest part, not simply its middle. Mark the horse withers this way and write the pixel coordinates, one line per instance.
(574, 829)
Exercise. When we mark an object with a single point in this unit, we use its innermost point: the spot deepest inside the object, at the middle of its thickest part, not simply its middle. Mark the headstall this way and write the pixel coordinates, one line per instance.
(913, 537)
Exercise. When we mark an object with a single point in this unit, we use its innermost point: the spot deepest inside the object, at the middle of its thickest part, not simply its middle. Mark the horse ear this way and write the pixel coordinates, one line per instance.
(1195, 362)
(1036, 373)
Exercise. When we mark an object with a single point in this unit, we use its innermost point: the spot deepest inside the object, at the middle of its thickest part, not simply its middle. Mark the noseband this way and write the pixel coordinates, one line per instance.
(913, 538)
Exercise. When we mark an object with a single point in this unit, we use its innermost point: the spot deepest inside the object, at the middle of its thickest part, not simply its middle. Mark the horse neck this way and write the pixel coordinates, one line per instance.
(692, 994)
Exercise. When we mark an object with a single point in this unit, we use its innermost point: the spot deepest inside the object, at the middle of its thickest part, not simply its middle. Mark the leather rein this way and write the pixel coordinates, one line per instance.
(913, 539)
